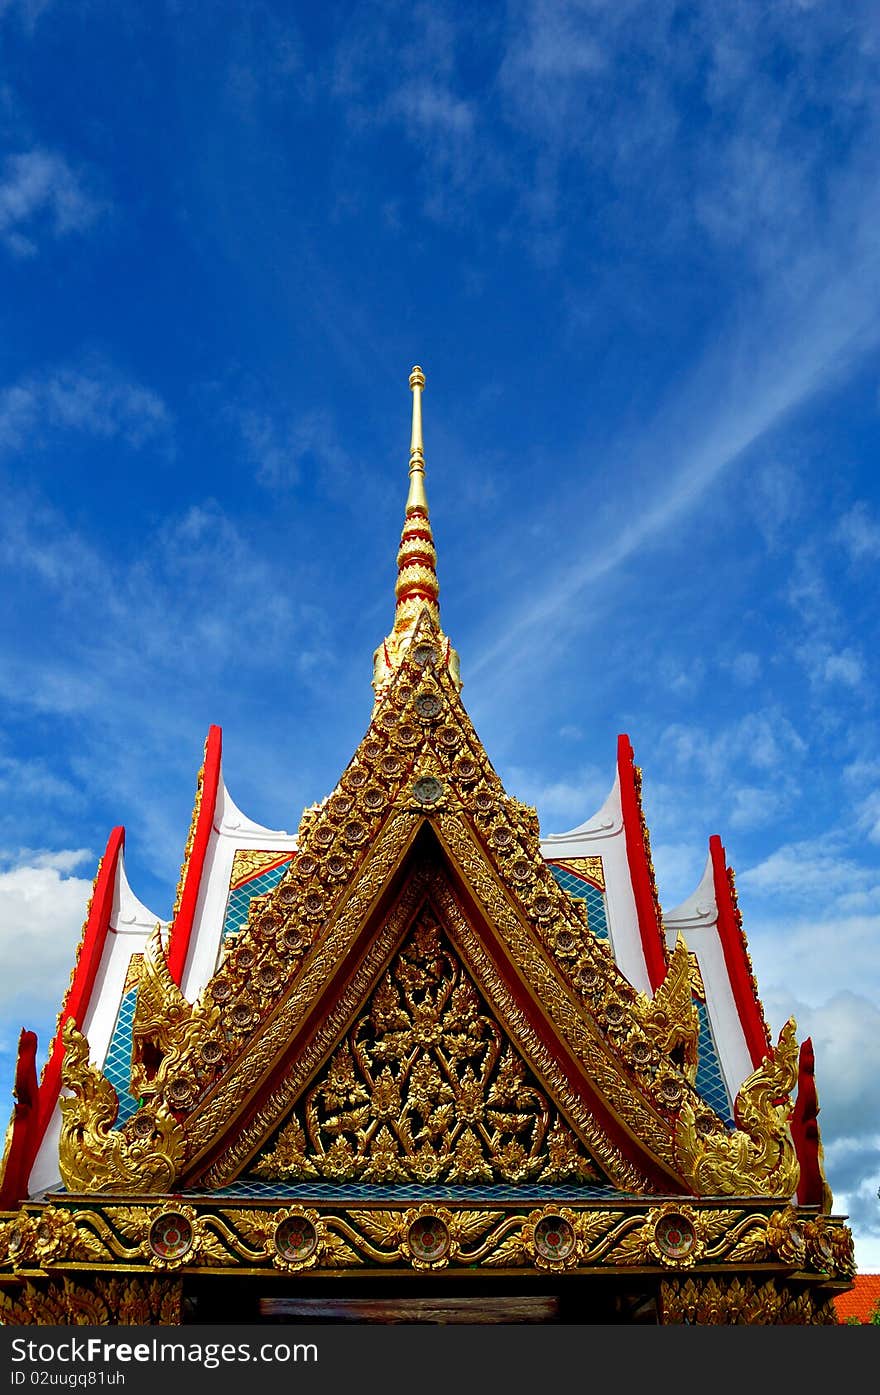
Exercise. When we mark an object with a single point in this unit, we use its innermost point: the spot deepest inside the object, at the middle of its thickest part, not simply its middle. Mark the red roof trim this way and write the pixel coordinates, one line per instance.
(647, 910)
(22, 1144)
(812, 1187)
(85, 971)
(736, 958)
(181, 929)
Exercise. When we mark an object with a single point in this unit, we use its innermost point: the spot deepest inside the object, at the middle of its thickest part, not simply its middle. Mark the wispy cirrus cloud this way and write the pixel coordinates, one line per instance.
(859, 532)
(91, 399)
(286, 451)
(42, 197)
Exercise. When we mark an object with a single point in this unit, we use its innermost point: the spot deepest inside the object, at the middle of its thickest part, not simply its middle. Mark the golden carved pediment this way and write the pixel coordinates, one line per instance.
(427, 1087)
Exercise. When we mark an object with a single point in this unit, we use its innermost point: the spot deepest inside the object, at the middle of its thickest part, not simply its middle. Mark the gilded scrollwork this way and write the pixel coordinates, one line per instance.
(169, 1033)
(120, 1240)
(758, 1156)
(670, 1018)
(93, 1155)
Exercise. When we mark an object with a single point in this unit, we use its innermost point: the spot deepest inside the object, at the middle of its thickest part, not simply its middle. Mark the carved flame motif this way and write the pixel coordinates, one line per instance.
(760, 1150)
(425, 1088)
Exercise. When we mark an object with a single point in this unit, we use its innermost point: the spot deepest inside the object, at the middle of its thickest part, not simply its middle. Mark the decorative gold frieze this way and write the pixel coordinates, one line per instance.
(224, 1236)
(736, 1302)
(129, 1302)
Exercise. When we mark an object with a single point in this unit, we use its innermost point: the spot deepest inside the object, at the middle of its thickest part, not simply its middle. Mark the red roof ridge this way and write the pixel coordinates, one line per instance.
(641, 868)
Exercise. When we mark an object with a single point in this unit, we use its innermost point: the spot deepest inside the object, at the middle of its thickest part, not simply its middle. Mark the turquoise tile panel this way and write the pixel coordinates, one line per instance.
(117, 1066)
(589, 894)
(710, 1081)
(240, 898)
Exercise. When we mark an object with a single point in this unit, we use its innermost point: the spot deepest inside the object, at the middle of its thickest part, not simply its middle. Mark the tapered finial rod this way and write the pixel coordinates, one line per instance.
(417, 502)
(417, 589)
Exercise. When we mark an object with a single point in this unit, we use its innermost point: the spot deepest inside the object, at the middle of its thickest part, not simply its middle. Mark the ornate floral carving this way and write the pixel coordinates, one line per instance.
(109, 1302)
(425, 1088)
(670, 1018)
(737, 1302)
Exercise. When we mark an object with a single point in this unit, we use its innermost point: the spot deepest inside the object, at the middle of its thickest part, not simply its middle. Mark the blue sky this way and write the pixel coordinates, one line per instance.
(633, 245)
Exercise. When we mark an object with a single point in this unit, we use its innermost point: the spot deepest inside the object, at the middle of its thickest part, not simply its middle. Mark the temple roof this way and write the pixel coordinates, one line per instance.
(646, 1025)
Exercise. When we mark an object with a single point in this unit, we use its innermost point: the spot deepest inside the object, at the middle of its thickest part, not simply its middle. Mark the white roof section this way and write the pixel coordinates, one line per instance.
(231, 832)
(130, 925)
(696, 919)
(603, 836)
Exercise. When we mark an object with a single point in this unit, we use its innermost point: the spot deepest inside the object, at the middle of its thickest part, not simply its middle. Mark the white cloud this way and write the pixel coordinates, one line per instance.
(755, 806)
(745, 667)
(764, 741)
(860, 534)
(827, 667)
(563, 803)
(286, 451)
(814, 869)
(433, 109)
(29, 11)
(34, 779)
(92, 399)
(868, 816)
(42, 909)
(40, 194)
(845, 1032)
(685, 681)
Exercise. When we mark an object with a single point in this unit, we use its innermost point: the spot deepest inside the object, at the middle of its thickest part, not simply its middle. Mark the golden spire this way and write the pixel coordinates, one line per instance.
(417, 501)
(417, 587)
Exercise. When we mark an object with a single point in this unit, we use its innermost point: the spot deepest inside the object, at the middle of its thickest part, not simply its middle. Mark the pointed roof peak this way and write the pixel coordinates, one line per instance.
(417, 589)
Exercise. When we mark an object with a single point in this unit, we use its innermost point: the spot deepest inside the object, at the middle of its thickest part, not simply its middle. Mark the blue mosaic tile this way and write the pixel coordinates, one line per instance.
(710, 1081)
(415, 1192)
(117, 1066)
(581, 890)
(240, 898)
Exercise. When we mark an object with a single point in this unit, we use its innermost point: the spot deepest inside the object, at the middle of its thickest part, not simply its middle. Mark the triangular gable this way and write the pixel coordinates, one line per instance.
(427, 1087)
(225, 1068)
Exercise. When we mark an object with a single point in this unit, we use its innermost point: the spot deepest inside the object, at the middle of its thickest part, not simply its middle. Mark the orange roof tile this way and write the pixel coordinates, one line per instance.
(861, 1299)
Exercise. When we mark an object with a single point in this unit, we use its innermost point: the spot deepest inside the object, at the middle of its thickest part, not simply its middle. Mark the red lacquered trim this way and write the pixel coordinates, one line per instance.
(736, 958)
(182, 928)
(647, 910)
(78, 996)
(812, 1188)
(23, 1143)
